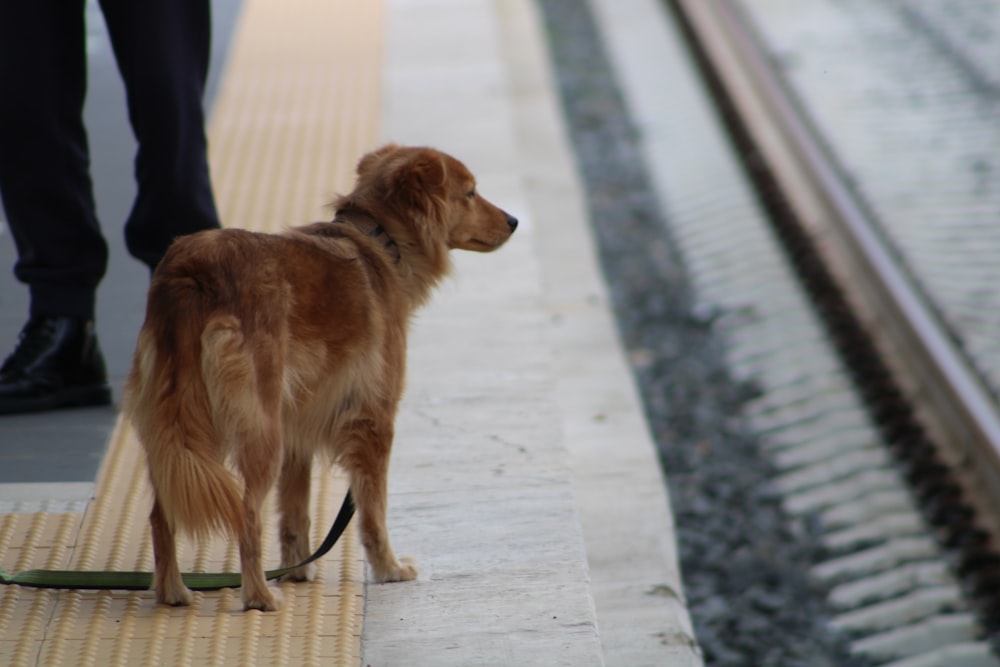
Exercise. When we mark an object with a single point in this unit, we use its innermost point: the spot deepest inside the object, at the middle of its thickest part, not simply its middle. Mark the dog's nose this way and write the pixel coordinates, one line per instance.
(511, 222)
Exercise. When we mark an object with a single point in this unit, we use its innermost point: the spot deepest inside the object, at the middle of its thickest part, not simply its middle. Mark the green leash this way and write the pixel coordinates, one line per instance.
(140, 581)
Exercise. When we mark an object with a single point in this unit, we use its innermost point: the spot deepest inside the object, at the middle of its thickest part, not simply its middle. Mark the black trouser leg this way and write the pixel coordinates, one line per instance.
(44, 160)
(163, 48)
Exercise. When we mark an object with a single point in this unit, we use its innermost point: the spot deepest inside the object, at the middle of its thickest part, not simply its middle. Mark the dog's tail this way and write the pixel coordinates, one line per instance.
(197, 494)
(167, 403)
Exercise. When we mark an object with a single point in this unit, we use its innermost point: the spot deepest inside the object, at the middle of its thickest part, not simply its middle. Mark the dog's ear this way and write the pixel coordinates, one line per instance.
(426, 170)
(420, 181)
(369, 160)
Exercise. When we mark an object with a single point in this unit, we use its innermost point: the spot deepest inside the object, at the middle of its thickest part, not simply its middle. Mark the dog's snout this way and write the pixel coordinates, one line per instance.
(511, 222)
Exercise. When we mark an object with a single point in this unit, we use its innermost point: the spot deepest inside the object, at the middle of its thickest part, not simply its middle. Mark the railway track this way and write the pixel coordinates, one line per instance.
(901, 596)
(815, 480)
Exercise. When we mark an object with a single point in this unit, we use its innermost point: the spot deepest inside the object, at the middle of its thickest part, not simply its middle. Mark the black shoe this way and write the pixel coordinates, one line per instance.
(55, 364)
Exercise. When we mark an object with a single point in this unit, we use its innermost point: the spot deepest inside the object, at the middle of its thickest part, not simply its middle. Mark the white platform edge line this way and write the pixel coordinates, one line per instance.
(52, 497)
(525, 599)
(625, 510)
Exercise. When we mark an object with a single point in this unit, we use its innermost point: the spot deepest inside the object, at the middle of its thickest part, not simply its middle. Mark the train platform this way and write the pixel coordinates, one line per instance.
(523, 483)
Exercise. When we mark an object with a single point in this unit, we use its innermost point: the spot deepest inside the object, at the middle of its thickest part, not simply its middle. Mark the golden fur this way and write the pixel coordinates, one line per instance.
(262, 350)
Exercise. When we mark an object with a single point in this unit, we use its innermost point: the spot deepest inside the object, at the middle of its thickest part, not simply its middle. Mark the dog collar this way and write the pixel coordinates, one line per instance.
(368, 226)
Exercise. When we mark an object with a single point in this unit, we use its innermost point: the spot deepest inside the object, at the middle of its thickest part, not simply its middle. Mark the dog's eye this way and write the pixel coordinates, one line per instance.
(471, 194)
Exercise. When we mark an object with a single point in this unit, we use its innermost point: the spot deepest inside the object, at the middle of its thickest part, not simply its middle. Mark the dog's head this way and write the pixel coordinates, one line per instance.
(437, 194)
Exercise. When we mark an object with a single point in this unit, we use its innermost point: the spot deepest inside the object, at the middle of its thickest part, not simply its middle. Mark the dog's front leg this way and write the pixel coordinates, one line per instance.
(293, 505)
(367, 463)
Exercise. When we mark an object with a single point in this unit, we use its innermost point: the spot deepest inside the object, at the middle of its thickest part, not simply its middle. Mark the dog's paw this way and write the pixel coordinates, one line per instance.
(266, 600)
(305, 573)
(174, 596)
(404, 570)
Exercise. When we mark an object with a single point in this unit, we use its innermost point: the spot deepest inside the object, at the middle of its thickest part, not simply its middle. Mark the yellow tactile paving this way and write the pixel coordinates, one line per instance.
(298, 104)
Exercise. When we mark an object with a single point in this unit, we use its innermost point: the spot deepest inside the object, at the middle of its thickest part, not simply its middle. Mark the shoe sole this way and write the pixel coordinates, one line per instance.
(73, 397)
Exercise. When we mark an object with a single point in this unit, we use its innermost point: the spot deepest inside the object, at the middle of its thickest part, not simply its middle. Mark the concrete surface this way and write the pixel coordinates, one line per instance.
(523, 463)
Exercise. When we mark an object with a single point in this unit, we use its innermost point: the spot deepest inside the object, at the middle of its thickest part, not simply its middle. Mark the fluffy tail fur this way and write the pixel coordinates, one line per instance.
(172, 416)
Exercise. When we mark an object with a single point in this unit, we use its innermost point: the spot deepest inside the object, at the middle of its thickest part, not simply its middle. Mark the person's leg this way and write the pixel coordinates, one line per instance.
(44, 160)
(48, 199)
(163, 49)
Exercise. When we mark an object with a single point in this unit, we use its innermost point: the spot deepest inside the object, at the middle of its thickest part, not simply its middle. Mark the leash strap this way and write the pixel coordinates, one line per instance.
(140, 581)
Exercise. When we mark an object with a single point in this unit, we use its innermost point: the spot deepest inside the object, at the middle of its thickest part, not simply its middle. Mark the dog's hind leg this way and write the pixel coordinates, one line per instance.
(244, 389)
(258, 455)
(258, 463)
(293, 505)
(170, 588)
(367, 462)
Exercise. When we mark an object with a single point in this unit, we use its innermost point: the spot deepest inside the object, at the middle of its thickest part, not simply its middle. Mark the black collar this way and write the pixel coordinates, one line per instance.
(367, 225)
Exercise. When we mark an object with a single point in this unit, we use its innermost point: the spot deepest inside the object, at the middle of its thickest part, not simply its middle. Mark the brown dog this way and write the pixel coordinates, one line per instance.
(266, 349)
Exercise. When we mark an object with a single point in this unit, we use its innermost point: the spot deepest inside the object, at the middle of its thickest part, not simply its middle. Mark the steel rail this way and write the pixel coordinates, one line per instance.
(948, 386)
